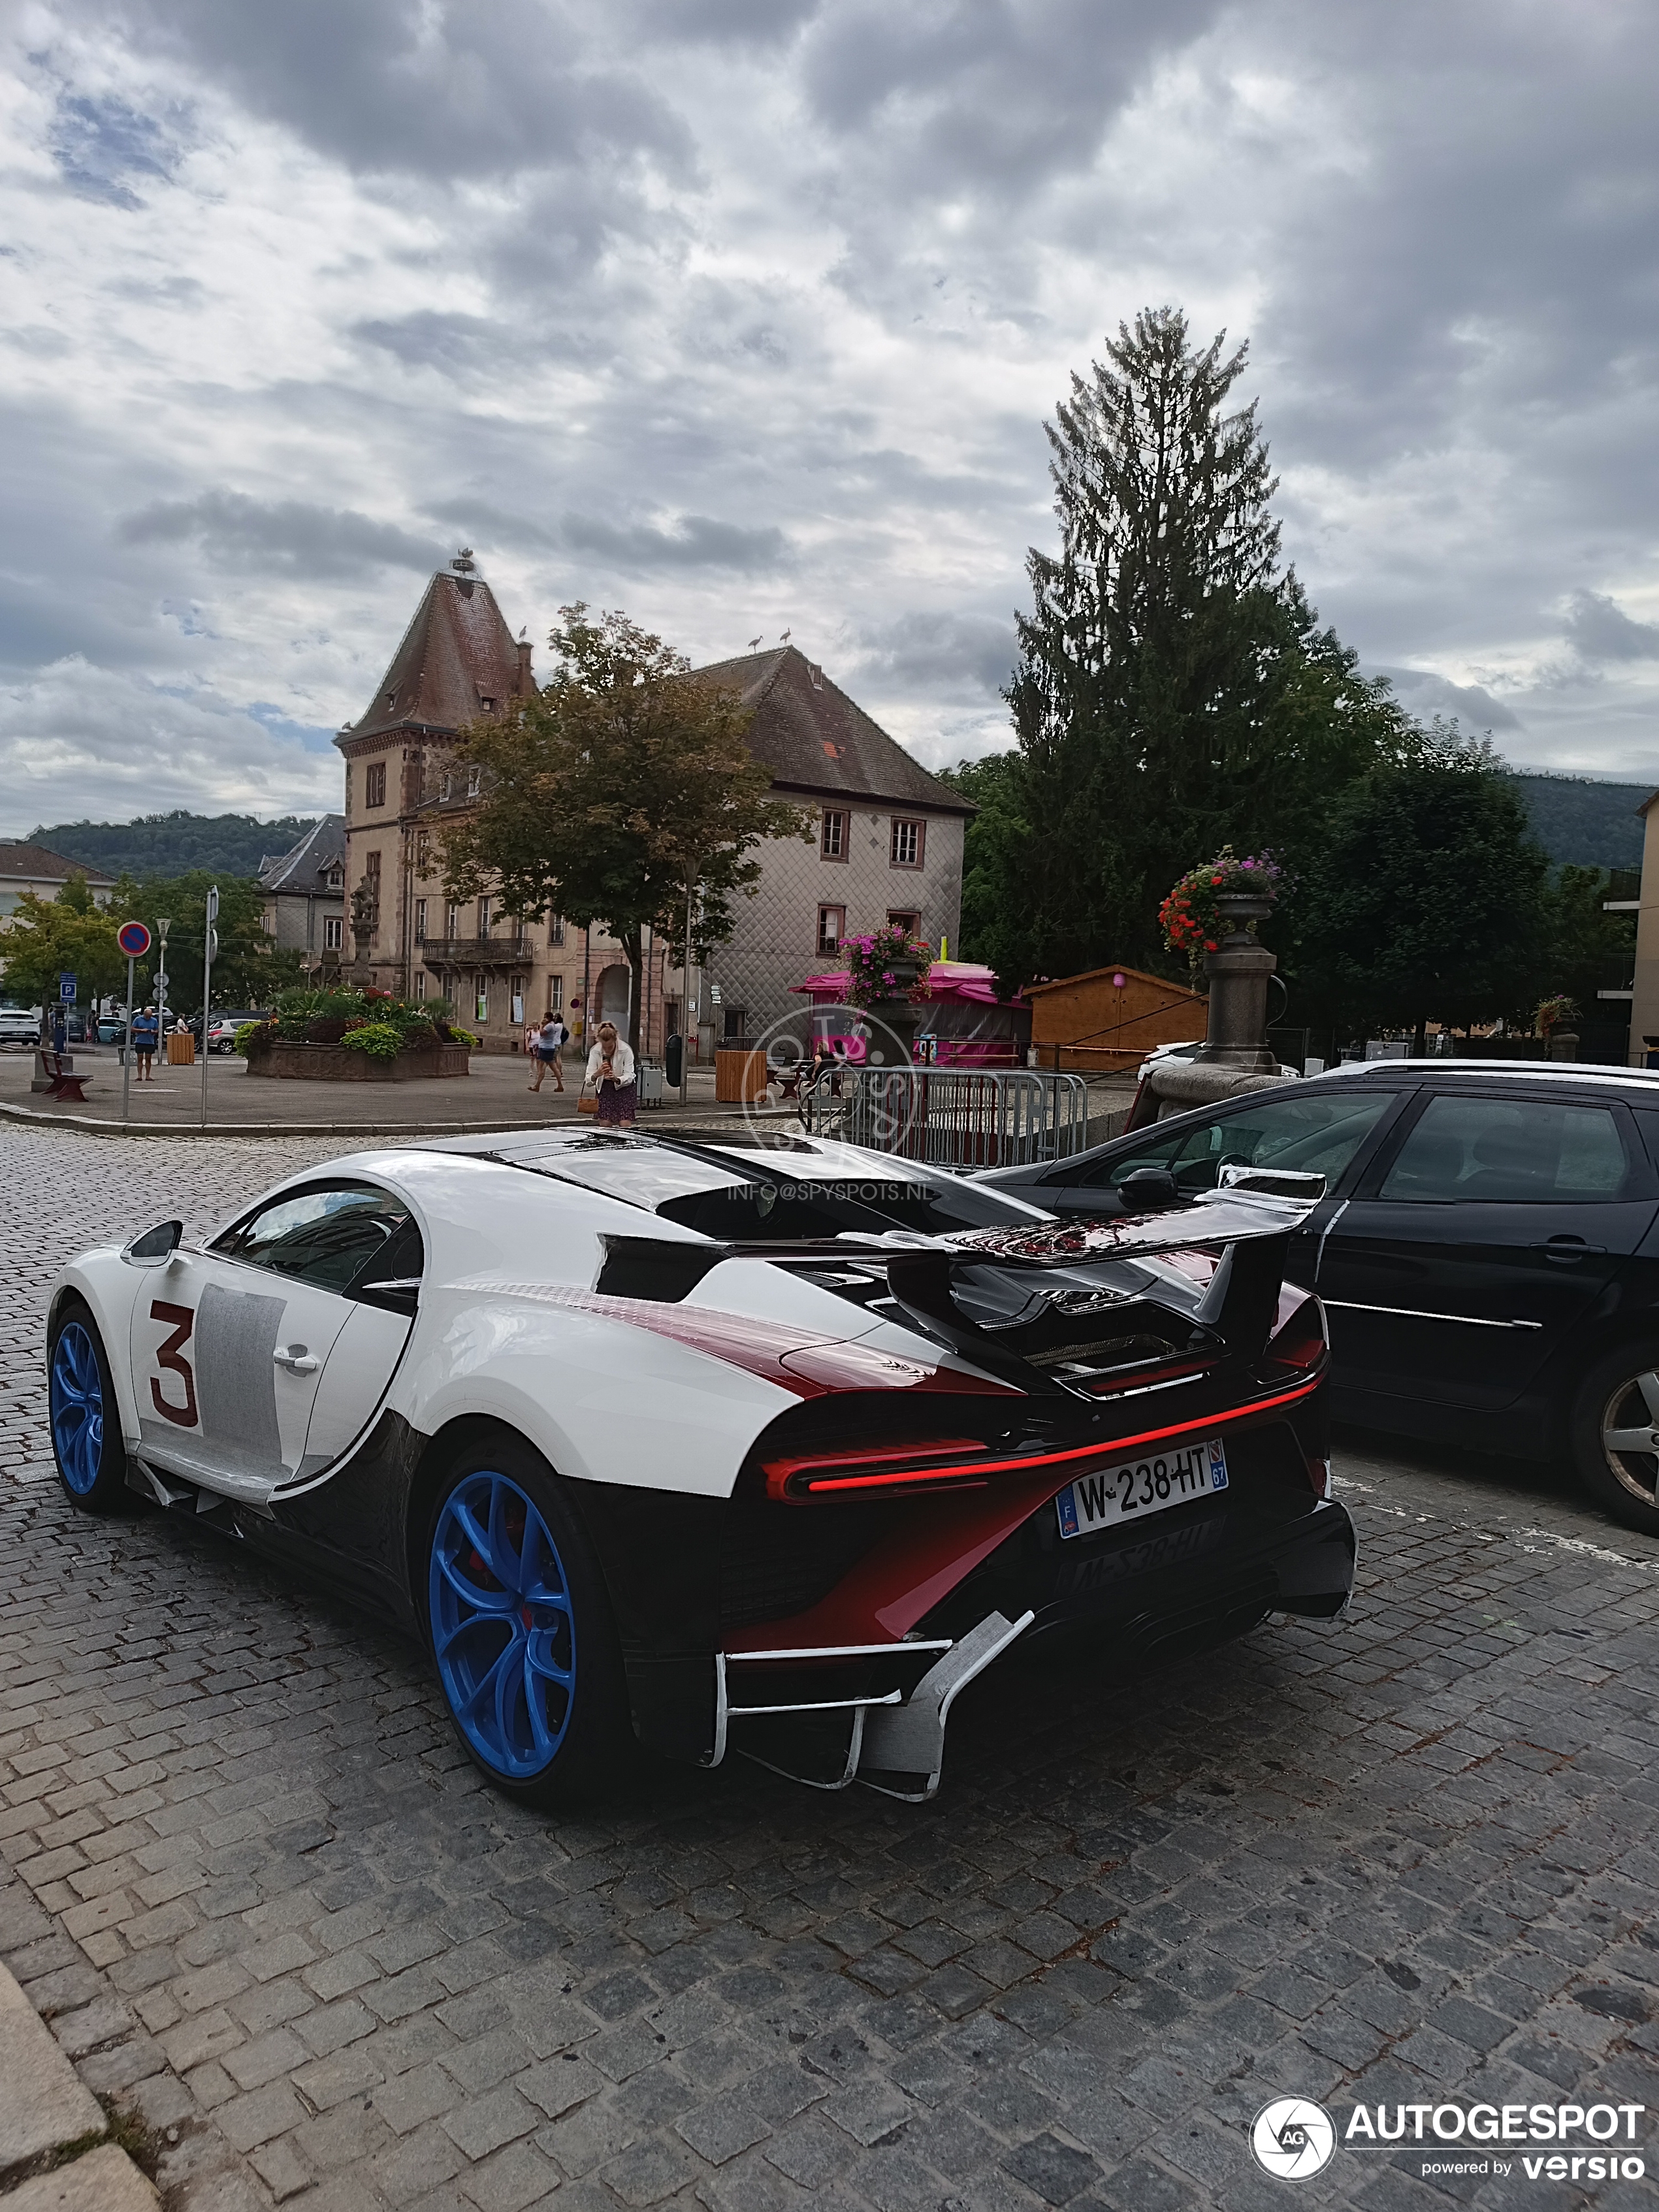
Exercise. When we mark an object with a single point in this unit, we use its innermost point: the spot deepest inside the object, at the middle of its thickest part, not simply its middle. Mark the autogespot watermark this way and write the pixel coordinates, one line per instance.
(1293, 2138)
(860, 1079)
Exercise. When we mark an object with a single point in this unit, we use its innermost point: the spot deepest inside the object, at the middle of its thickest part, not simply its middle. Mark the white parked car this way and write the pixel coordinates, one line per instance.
(20, 1025)
(742, 1444)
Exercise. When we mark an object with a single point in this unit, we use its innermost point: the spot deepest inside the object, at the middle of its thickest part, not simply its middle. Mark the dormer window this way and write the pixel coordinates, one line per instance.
(336, 880)
(488, 705)
(474, 782)
(447, 785)
(391, 699)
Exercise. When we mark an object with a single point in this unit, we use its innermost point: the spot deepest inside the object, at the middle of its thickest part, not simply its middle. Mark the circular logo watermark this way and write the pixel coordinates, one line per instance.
(856, 1083)
(1293, 2138)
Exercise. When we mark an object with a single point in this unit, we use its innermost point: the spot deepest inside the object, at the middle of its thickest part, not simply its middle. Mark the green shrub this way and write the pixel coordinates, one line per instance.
(254, 1037)
(380, 1040)
(455, 1035)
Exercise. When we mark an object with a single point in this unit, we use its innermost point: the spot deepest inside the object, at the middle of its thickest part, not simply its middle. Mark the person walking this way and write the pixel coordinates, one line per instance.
(549, 1044)
(611, 1070)
(146, 1034)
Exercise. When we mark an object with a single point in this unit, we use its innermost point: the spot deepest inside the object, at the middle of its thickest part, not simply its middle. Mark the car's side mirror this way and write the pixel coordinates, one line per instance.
(1149, 1185)
(156, 1246)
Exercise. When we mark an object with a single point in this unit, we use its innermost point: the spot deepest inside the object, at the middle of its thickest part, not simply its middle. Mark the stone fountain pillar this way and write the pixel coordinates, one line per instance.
(1238, 973)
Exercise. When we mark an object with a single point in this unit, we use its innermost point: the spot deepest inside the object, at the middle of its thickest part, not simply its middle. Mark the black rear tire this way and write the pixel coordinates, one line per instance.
(1611, 1404)
(520, 1628)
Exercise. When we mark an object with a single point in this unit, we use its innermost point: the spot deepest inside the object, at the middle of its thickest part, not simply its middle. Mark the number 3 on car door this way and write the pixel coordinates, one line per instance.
(170, 1359)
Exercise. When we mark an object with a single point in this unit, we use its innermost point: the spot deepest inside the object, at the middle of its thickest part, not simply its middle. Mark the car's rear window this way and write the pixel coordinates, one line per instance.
(801, 1200)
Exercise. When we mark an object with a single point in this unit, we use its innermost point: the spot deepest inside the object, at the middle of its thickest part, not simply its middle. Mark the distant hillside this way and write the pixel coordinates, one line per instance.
(167, 844)
(1592, 825)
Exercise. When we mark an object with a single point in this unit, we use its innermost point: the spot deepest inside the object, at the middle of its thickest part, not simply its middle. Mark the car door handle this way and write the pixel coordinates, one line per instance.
(296, 1359)
(1565, 1250)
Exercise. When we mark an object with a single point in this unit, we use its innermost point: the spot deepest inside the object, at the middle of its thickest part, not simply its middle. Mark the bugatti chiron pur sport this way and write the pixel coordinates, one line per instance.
(767, 1447)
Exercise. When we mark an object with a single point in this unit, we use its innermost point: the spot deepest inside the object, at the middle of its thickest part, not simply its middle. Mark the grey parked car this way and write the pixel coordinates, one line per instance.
(1487, 1249)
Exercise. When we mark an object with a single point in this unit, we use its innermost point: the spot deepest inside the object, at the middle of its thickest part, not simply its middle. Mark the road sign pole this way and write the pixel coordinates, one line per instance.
(126, 1056)
(210, 946)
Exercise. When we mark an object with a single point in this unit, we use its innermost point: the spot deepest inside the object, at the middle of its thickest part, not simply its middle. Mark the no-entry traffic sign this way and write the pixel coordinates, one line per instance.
(133, 938)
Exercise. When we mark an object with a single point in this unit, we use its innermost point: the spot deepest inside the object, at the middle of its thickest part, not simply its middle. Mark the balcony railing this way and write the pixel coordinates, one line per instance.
(476, 951)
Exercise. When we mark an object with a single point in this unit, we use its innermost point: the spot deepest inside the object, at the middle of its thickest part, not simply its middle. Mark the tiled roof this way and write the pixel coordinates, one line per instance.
(17, 859)
(306, 868)
(457, 655)
(813, 737)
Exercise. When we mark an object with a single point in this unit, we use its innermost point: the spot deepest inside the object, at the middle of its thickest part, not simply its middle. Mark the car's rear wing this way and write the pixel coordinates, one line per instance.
(1250, 1217)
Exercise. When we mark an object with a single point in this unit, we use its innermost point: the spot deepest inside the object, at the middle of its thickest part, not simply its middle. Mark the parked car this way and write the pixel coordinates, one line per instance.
(20, 1025)
(112, 1028)
(744, 1443)
(221, 1030)
(1487, 1249)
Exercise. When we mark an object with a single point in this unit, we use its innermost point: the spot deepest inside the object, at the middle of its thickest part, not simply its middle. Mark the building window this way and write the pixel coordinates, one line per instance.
(481, 998)
(907, 846)
(420, 983)
(485, 917)
(423, 851)
(420, 921)
(333, 933)
(372, 870)
(474, 782)
(832, 928)
(348, 788)
(832, 839)
(555, 929)
(515, 1002)
(555, 994)
(374, 784)
(897, 918)
(336, 880)
(737, 1020)
(452, 919)
(445, 785)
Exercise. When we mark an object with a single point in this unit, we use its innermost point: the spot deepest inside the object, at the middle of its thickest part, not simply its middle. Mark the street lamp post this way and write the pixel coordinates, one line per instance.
(210, 946)
(162, 979)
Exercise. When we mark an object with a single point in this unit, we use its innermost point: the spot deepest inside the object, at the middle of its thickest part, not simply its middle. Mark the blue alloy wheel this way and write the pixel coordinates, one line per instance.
(502, 1630)
(78, 1408)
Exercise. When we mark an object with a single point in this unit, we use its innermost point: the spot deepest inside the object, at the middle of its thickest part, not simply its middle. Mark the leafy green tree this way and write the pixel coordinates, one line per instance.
(1587, 948)
(1174, 691)
(48, 937)
(997, 857)
(248, 971)
(167, 844)
(623, 780)
(1429, 900)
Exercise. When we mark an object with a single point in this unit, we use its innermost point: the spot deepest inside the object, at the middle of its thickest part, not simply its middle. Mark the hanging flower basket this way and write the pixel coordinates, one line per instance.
(1201, 908)
(889, 965)
(1549, 1014)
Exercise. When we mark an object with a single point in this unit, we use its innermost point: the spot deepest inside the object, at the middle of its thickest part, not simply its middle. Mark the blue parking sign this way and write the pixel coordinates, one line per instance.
(66, 987)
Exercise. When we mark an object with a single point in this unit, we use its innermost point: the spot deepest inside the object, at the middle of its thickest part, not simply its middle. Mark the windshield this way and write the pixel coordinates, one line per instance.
(802, 1199)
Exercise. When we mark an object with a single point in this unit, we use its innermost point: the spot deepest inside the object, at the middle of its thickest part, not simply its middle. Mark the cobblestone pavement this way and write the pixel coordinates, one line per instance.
(1409, 1855)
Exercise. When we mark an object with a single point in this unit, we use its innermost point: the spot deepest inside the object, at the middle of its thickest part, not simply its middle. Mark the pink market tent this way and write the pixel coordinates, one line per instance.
(965, 1024)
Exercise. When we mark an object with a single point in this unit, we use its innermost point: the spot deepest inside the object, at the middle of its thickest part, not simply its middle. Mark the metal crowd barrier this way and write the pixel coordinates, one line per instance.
(954, 1117)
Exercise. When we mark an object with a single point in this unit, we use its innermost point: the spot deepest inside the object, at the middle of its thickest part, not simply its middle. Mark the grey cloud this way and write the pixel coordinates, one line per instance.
(946, 652)
(277, 537)
(725, 22)
(1599, 630)
(695, 541)
(393, 86)
(1426, 693)
(986, 95)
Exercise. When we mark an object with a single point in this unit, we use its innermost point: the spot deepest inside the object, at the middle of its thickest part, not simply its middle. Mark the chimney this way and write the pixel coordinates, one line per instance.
(526, 682)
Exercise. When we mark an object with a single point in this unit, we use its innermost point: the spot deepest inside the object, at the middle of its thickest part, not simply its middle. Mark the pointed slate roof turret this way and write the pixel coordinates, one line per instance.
(813, 737)
(457, 660)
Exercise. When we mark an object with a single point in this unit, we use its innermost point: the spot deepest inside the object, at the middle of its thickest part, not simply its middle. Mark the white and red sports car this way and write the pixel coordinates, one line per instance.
(758, 1446)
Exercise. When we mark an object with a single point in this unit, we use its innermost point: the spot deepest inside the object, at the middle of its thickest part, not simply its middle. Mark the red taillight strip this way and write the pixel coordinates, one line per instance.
(781, 1472)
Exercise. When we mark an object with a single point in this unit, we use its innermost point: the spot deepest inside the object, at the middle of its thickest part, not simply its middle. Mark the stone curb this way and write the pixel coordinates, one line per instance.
(93, 1127)
(44, 2103)
(104, 2180)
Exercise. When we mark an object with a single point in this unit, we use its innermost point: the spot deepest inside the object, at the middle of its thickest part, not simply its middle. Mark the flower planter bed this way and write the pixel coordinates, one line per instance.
(334, 1063)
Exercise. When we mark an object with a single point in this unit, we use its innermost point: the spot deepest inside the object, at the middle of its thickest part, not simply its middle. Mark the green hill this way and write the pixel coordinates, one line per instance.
(1589, 824)
(168, 844)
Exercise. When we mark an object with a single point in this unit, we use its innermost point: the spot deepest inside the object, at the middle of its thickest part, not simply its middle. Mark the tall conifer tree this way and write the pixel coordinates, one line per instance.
(1173, 691)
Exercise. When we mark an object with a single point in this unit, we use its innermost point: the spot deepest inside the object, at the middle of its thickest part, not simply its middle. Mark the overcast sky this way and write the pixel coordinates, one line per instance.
(744, 315)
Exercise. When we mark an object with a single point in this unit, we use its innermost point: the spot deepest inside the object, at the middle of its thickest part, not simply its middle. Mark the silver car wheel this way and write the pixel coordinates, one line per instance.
(1630, 1435)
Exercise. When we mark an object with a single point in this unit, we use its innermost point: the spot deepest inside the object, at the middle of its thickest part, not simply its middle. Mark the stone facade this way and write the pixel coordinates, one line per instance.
(305, 895)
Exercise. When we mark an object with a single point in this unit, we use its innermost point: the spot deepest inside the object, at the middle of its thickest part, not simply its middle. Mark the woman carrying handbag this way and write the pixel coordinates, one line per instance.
(611, 1072)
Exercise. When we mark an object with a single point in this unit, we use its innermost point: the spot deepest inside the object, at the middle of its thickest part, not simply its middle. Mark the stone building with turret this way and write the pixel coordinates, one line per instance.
(886, 844)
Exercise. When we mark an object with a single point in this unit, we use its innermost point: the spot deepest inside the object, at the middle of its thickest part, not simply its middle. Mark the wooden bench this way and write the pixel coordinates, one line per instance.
(63, 1083)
